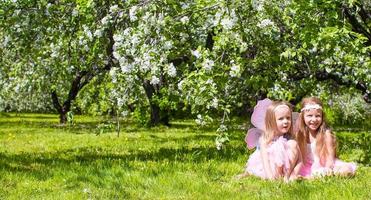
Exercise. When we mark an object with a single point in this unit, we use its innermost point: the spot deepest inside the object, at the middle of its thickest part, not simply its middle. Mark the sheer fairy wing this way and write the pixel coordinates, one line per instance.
(258, 116)
(252, 137)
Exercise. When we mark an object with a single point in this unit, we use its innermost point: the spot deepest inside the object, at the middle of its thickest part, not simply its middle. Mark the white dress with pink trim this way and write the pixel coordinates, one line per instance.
(313, 167)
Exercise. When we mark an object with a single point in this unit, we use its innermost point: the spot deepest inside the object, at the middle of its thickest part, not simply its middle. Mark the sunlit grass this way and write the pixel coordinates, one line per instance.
(41, 160)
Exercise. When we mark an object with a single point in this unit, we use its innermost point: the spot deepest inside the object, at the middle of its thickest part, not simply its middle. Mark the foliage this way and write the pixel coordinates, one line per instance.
(351, 109)
(213, 59)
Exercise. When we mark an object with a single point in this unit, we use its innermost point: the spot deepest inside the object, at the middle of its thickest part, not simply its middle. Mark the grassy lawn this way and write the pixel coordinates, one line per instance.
(41, 160)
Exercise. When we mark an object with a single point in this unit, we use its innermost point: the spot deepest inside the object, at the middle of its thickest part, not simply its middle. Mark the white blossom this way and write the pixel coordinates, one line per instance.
(215, 103)
(168, 45)
(155, 80)
(171, 70)
(196, 53)
(98, 33)
(88, 33)
(132, 13)
(235, 71)
(227, 23)
(6, 40)
(184, 20)
(125, 113)
(210, 81)
(208, 64)
(120, 102)
(258, 4)
(105, 20)
(145, 66)
(313, 50)
(327, 61)
(265, 23)
(184, 5)
(75, 13)
(180, 85)
(126, 68)
(116, 55)
(113, 8)
(117, 37)
(127, 31)
(199, 120)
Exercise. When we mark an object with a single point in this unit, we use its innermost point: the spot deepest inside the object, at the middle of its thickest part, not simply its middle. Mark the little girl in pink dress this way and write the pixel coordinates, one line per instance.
(275, 156)
(317, 143)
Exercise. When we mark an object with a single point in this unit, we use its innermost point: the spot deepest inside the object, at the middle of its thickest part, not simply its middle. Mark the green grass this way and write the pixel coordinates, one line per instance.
(41, 160)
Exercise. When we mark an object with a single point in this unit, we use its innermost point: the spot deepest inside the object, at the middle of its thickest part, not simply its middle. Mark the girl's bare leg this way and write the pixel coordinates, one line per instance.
(294, 159)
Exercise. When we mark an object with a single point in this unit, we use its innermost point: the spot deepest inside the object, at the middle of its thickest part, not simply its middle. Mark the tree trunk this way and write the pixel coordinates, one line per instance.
(62, 118)
(155, 114)
(158, 116)
(81, 79)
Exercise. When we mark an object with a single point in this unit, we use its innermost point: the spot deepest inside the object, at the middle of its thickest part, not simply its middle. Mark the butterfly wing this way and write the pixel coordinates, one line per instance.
(252, 137)
(258, 116)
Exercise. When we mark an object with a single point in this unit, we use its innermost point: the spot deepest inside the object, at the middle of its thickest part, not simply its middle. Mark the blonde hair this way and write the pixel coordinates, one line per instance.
(270, 121)
(302, 134)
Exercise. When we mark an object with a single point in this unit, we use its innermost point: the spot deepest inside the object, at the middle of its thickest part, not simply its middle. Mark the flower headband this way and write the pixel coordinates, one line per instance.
(311, 106)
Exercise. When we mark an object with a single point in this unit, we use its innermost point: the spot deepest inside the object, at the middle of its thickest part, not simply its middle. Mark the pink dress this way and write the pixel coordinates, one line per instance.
(313, 167)
(277, 157)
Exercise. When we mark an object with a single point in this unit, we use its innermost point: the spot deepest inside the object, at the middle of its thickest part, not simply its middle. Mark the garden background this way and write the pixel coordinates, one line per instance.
(151, 99)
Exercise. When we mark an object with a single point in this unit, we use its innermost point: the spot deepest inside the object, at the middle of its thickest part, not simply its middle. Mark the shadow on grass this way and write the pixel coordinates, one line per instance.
(41, 165)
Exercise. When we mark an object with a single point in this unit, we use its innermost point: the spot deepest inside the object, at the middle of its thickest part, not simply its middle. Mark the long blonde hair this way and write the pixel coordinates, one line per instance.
(302, 133)
(270, 121)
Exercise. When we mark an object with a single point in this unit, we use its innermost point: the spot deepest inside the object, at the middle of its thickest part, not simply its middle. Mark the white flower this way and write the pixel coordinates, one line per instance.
(215, 103)
(180, 85)
(219, 145)
(265, 23)
(86, 48)
(227, 23)
(168, 45)
(208, 64)
(132, 13)
(122, 61)
(127, 31)
(75, 13)
(113, 8)
(184, 5)
(124, 113)
(116, 55)
(171, 70)
(327, 61)
(196, 53)
(117, 38)
(258, 5)
(313, 50)
(199, 120)
(210, 81)
(155, 80)
(120, 102)
(145, 66)
(235, 71)
(126, 68)
(184, 20)
(135, 40)
(98, 33)
(6, 40)
(89, 34)
(106, 19)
